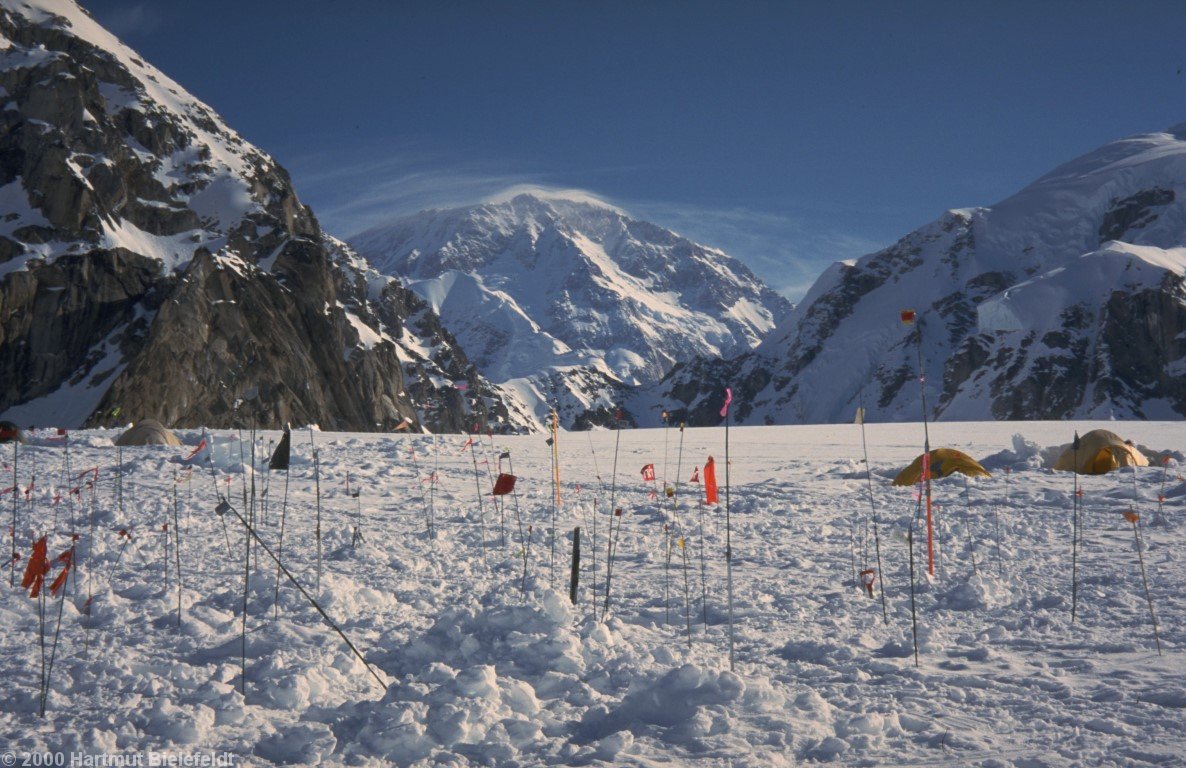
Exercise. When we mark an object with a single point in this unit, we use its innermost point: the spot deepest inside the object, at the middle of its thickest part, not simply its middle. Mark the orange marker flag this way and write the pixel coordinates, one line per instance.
(37, 568)
(67, 560)
(710, 482)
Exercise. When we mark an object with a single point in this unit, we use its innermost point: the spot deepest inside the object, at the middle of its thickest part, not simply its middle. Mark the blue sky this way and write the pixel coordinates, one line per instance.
(790, 134)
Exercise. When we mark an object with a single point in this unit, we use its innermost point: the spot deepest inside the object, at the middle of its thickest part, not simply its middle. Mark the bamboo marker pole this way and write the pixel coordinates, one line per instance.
(281, 458)
(1160, 518)
(593, 541)
(968, 525)
(481, 507)
(614, 512)
(728, 526)
(524, 541)
(177, 548)
(224, 506)
(1133, 517)
(913, 612)
(909, 317)
(554, 443)
(1075, 531)
(872, 508)
(423, 496)
(15, 501)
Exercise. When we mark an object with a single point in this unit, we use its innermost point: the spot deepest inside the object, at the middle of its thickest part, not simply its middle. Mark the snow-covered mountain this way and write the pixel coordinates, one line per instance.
(155, 264)
(566, 299)
(1064, 300)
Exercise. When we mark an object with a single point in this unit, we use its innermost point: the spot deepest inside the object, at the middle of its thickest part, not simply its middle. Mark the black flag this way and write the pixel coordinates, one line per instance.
(280, 456)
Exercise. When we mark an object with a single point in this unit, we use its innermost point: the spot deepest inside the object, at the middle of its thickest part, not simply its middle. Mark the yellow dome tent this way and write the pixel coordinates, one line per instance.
(148, 432)
(1100, 451)
(944, 462)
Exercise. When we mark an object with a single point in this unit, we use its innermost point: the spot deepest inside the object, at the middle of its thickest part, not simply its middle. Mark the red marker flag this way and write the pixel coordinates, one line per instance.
(504, 484)
(710, 482)
(728, 399)
(908, 316)
(648, 473)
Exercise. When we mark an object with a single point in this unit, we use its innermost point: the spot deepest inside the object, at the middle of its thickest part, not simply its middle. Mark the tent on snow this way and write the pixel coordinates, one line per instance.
(1100, 451)
(944, 462)
(11, 433)
(148, 432)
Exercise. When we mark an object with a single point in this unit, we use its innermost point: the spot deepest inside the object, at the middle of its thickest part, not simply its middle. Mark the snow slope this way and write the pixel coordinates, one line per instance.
(478, 671)
(1065, 300)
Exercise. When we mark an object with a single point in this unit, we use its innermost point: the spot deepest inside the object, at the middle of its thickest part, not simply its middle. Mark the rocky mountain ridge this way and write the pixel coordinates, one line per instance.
(1066, 300)
(155, 264)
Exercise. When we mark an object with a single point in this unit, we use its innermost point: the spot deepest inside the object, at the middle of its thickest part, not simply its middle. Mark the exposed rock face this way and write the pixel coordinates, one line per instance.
(1063, 301)
(154, 264)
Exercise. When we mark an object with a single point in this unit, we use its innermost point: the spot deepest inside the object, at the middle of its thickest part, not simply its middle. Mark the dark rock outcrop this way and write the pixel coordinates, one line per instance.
(155, 265)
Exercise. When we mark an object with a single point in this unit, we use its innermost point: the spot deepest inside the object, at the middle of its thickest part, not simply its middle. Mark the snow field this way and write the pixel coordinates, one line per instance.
(481, 672)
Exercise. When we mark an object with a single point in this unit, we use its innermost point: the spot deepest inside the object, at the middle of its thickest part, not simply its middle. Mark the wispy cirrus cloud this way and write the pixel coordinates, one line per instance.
(350, 196)
(786, 250)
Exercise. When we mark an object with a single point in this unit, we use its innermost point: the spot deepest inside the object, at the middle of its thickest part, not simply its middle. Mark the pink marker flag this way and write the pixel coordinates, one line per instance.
(728, 399)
